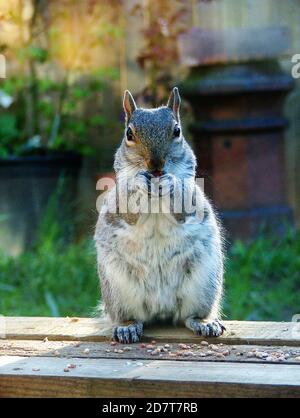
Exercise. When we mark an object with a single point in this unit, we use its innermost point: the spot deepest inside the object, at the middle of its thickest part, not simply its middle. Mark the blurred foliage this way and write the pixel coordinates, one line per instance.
(58, 81)
(59, 282)
(263, 279)
(158, 57)
(58, 276)
(67, 115)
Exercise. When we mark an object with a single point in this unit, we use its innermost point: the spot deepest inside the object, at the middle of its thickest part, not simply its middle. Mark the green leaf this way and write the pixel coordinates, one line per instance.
(8, 128)
(36, 53)
(80, 92)
(97, 120)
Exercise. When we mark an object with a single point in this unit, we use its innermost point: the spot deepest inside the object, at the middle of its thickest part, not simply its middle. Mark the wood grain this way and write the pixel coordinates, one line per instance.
(89, 329)
(202, 47)
(36, 376)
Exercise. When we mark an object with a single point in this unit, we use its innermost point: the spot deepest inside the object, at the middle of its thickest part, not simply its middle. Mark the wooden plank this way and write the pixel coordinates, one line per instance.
(92, 329)
(115, 378)
(195, 352)
(202, 47)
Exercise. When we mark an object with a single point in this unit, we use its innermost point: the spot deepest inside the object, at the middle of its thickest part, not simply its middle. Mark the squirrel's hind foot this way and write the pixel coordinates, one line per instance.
(205, 329)
(129, 333)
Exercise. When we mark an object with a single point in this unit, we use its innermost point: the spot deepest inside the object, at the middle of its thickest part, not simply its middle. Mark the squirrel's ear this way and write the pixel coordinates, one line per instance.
(174, 102)
(128, 104)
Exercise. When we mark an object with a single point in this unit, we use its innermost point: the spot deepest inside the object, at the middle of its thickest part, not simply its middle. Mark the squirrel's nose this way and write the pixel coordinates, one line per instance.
(155, 163)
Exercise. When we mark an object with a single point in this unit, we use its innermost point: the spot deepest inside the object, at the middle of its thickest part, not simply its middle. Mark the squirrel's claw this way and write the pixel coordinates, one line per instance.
(127, 334)
(205, 329)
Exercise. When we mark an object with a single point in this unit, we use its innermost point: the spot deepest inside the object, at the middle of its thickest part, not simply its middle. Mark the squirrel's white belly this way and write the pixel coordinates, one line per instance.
(155, 273)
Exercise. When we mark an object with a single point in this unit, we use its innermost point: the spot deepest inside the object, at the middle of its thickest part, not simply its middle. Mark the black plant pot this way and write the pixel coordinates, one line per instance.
(26, 185)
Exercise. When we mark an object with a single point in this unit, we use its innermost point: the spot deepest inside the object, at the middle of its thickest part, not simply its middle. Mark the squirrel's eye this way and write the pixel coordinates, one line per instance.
(176, 131)
(129, 134)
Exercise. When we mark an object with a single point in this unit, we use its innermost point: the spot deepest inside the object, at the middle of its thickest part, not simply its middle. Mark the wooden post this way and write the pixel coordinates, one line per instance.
(236, 89)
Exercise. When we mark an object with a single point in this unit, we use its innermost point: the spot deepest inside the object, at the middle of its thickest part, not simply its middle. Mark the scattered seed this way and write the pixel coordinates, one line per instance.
(220, 355)
(71, 366)
(188, 353)
(182, 346)
(260, 354)
(149, 346)
(214, 347)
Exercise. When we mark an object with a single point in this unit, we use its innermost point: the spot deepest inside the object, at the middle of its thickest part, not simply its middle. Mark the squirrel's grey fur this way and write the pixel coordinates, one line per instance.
(158, 266)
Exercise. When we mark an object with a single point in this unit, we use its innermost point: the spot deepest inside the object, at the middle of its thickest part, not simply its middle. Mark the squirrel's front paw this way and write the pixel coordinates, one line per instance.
(127, 334)
(166, 184)
(143, 181)
(155, 186)
(206, 329)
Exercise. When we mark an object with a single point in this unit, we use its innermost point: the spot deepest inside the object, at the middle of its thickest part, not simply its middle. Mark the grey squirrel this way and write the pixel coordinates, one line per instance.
(166, 265)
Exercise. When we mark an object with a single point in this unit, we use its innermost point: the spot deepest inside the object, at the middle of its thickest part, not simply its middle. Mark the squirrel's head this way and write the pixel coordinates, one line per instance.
(150, 134)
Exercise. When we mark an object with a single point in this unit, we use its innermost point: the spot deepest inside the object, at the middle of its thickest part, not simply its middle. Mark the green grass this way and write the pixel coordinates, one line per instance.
(59, 276)
(59, 282)
(263, 279)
